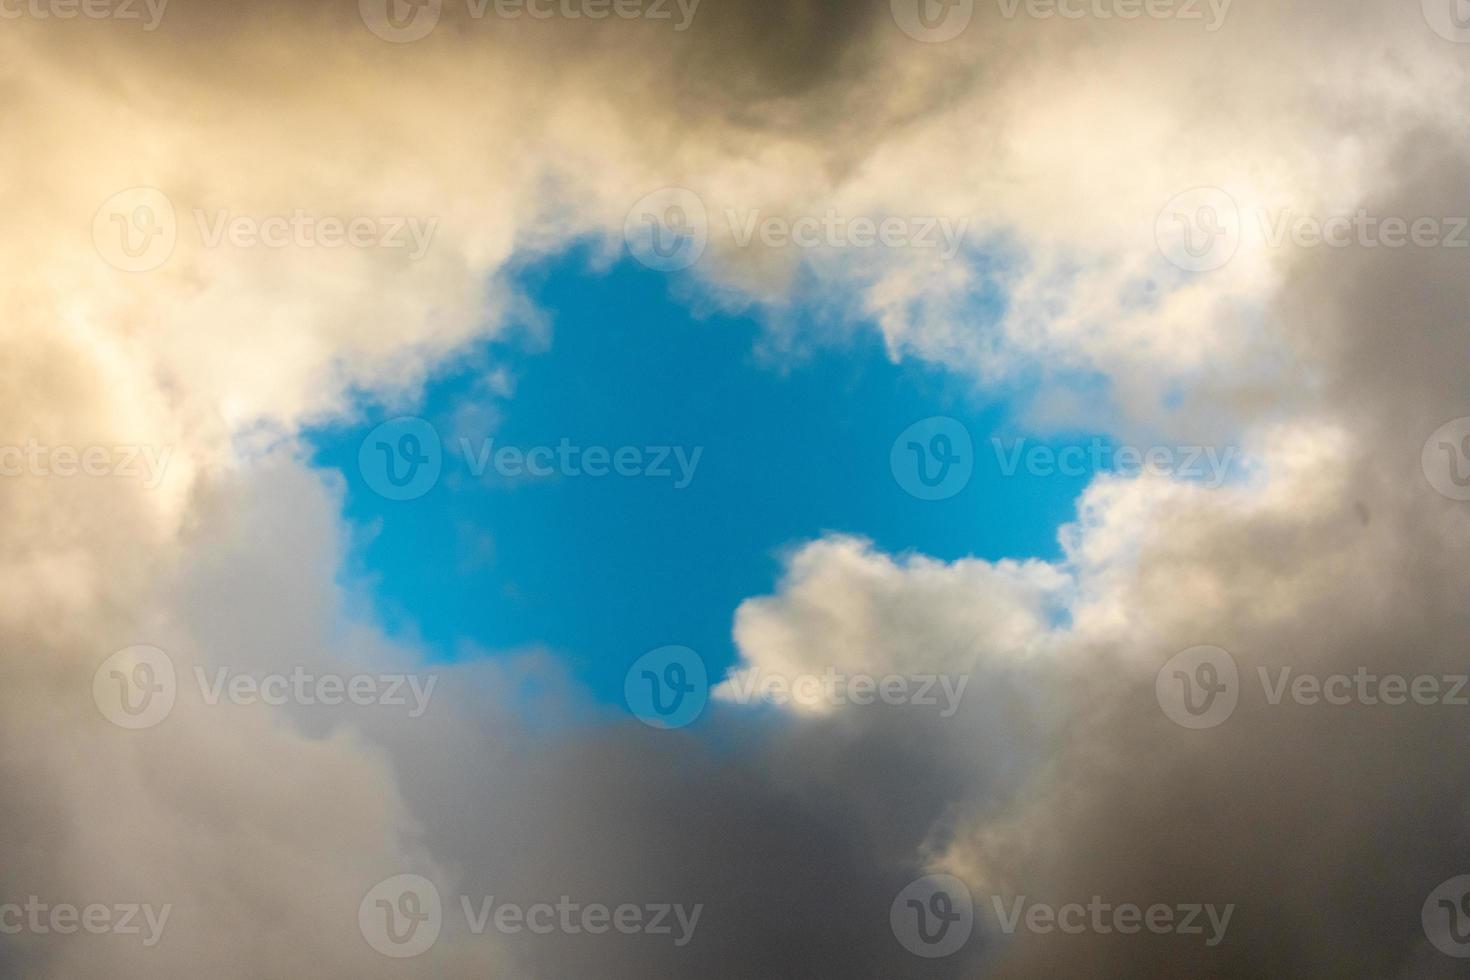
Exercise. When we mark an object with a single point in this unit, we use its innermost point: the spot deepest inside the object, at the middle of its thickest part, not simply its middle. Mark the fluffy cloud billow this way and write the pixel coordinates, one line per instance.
(1056, 776)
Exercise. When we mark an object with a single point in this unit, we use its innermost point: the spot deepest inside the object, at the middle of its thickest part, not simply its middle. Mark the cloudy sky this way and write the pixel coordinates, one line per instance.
(734, 488)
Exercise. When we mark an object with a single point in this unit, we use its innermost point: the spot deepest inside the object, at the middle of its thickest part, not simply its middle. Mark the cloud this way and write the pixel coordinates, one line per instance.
(1059, 778)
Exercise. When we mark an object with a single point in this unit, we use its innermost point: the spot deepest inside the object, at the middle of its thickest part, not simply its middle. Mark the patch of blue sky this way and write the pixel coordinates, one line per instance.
(600, 569)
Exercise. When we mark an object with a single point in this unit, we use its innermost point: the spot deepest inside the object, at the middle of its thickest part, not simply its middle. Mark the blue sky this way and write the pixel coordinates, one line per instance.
(601, 569)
